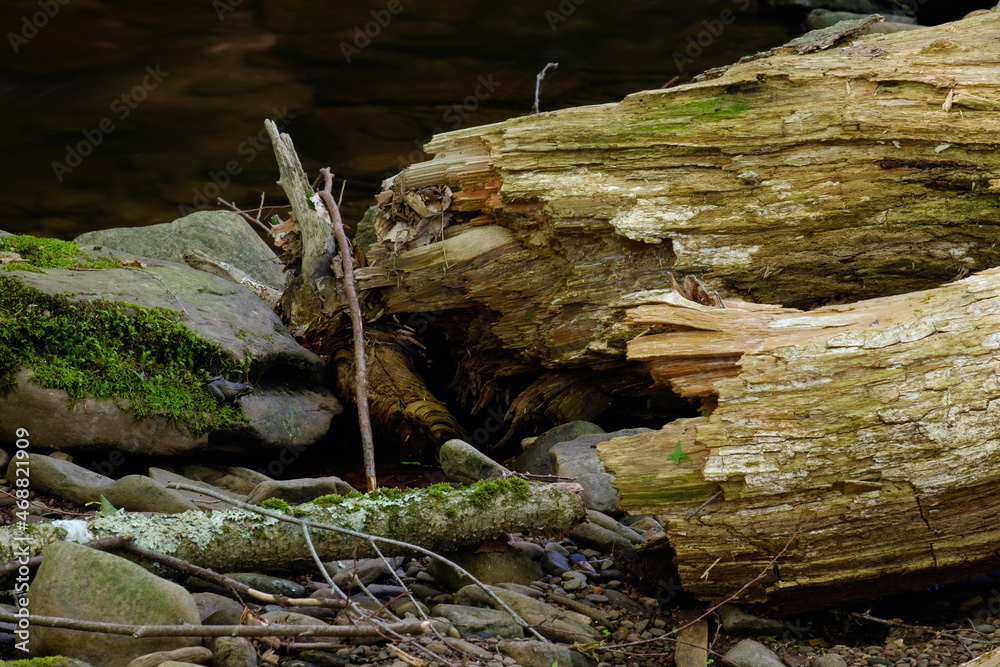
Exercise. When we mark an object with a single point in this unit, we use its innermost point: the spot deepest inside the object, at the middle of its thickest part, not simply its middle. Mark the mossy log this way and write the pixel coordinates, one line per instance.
(862, 437)
(438, 518)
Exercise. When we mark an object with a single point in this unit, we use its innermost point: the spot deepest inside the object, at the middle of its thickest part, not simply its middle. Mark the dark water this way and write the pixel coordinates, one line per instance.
(119, 113)
(123, 113)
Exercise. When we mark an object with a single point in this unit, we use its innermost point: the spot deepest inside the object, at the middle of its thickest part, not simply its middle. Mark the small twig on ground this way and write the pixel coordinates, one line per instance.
(357, 324)
(538, 83)
(763, 573)
(410, 627)
(900, 624)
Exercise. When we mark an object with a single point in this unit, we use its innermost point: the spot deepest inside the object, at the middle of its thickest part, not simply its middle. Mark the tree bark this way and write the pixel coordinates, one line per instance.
(235, 539)
(863, 435)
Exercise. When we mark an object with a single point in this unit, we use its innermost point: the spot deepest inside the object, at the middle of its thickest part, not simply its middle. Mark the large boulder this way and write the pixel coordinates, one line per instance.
(290, 405)
(78, 582)
(222, 235)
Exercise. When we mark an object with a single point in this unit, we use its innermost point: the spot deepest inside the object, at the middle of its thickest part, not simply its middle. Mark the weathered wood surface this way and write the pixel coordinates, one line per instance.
(864, 434)
(314, 307)
(862, 170)
(232, 540)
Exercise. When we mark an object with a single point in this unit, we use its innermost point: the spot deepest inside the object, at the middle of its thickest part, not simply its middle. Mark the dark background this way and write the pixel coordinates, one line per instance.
(232, 63)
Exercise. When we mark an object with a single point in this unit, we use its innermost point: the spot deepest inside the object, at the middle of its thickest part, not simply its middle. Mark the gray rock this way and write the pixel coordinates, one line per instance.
(479, 623)
(209, 603)
(604, 521)
(4, 459)
(598, 537)
(269, 584)
(224, 617)
(287, 408)
(403, 606)
(530, 549)
(523, 590)
(232, 478)
(554, 562)
(367, 570)
(749, 653)
(222, 235)
(470, 648)
(298, 491)
(75, 581)
(735, 620)
(232, 652)
(829, 660)
(645, 524)
(535, 459)
(619, 599)
(578, 458)
(192, 654)
(489, 567)
(79, 485)
(552, 623)
(200, 500)
(465, 464)
(540, 654)
(292, 618)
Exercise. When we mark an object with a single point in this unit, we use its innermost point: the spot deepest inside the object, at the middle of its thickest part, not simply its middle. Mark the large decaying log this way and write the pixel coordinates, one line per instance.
(859, 437)
(237, 539)
(864, 435)
(854, 172)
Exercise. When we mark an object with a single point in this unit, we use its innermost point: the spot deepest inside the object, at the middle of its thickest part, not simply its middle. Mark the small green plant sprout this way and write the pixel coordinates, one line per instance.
(276, 504)
(678, 454)
(106, 508)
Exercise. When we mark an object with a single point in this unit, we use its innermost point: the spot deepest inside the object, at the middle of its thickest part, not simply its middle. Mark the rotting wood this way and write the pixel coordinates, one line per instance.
(861, 170)
(872, 427)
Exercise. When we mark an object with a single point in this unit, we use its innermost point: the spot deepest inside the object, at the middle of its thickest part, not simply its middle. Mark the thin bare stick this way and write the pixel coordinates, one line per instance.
(246, 216)
(410, 627)
(900, 624)
(357, 324)
(763, 573)
(538, 83)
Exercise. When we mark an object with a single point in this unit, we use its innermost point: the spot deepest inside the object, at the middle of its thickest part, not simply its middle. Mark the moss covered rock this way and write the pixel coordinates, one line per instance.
(102, 352)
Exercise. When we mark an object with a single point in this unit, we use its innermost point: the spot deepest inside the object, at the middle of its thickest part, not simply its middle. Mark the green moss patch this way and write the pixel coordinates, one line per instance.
(144, 359)
(41, 253)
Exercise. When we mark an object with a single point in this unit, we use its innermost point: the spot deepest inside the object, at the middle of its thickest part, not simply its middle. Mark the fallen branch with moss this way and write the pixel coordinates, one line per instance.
(431, 518)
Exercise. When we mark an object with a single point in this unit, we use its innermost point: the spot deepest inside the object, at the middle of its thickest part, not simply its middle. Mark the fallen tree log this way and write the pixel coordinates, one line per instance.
(438, 518)
(855, 441)
(863, 437)
(861, 170)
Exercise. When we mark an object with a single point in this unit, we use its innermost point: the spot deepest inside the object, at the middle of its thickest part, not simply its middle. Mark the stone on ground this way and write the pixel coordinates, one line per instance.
(539, 654)
(222, 235)
(75, 581)
(465, 464)
(749, 653)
